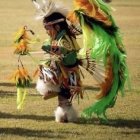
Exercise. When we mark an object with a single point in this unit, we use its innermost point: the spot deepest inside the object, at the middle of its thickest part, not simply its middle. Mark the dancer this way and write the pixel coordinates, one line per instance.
(102, 55)
(60, 74)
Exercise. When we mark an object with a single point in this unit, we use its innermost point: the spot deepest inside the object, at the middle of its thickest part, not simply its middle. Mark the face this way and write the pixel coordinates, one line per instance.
(51, 31)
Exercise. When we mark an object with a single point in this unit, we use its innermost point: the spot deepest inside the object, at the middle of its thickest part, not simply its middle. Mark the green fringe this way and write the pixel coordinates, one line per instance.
(21, 94)
(104, 41)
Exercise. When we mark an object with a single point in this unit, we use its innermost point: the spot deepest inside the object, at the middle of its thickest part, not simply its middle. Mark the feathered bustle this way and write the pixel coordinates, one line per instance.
(101, 36)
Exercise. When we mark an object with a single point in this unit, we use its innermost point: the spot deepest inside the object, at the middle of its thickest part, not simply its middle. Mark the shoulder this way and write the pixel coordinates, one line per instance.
(66, 42)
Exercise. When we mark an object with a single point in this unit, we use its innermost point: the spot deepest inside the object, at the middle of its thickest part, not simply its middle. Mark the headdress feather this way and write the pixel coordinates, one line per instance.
(47, 7)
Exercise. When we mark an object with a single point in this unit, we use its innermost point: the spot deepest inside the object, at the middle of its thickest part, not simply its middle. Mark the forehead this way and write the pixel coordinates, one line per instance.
(47, 26)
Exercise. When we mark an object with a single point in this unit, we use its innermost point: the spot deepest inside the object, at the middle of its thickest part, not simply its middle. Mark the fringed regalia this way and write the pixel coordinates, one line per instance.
(21, 76)
(102, 55)
(103, 42)
(61, 69)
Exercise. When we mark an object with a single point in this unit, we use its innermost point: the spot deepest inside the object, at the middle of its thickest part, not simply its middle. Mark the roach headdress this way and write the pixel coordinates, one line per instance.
(47, 7)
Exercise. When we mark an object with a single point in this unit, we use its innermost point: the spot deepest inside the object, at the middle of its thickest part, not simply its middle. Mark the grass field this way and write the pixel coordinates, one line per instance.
(36, 121)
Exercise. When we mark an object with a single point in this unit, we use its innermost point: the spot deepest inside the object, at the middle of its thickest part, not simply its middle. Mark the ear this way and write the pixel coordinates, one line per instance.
(57, 27)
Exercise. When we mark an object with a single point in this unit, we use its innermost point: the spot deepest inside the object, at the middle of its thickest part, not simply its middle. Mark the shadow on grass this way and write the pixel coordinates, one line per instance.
(13, 85)
(4, 93)
(38, 133)
(118, 123)
(30, 117)
(30, 133)
(7, 84)
(125, 123)
(7, 93)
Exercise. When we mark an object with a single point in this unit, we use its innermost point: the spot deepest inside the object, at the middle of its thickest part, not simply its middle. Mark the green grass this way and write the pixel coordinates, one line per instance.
(36, 121)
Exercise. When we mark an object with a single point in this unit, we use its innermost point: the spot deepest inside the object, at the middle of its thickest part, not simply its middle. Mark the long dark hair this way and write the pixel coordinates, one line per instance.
(63, 24)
